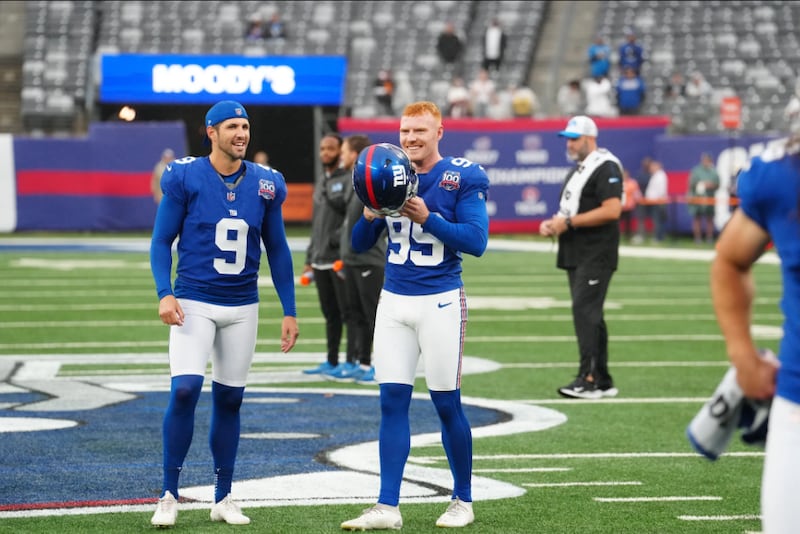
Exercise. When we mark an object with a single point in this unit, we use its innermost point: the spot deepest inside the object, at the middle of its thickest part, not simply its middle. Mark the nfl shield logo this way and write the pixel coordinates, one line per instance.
(231, 196)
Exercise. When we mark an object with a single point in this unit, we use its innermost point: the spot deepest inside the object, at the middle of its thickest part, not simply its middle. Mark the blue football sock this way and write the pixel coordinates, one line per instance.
(178, 427)
(224, 435)
(456, 440)
(394, 437)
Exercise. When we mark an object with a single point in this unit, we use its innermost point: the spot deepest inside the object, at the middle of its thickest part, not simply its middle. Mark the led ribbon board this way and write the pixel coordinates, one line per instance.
(193, 79)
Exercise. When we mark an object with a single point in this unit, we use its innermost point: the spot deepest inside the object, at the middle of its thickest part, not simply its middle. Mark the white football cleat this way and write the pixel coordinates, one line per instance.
(379, 517)
(459, 514)
(166, 511)
(228, 511)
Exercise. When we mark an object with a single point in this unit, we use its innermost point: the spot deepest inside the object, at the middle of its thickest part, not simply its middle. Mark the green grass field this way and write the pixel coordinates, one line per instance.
(615, 466)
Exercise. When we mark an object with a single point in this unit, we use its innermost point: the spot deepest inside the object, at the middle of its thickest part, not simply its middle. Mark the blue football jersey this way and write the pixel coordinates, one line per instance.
(219, 246)
(426, 259)
(769, 192)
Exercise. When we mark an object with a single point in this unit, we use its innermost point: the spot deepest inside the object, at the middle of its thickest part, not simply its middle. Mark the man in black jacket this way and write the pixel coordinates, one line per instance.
(449, 45)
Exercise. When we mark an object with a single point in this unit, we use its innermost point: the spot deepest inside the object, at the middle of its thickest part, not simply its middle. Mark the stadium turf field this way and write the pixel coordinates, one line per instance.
(84, 383)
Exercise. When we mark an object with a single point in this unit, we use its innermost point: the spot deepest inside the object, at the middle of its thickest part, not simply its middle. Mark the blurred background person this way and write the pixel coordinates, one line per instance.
(458, 99)
(630, 203)
(323, 250)
(167, 157)
(702, 190)
(261, 157)
(449, 45)
(383, 90)
(570, 98)
(494, 45)
(363, 277)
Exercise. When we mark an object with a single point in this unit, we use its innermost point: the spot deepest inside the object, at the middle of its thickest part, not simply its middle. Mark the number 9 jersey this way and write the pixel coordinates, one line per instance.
(221, 223)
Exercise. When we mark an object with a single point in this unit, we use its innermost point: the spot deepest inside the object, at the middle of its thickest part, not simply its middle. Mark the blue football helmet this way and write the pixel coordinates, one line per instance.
(383, 178)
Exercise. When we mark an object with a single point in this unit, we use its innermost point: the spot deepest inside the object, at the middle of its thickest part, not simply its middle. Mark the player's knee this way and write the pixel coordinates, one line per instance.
(186, 390)
(227, 398)
(395, 398)
(447, 403)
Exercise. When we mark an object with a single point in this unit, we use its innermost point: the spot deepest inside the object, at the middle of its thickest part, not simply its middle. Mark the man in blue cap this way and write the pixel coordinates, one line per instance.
(222, 209)
(587, 227)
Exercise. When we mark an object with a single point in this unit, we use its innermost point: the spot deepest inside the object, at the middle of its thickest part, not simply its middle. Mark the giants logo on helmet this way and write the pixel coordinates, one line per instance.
(383, 178)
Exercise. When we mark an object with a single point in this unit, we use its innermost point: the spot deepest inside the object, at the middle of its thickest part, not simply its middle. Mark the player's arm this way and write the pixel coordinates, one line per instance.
(740, 244)
(471, 233)
(366, 231)
(169, 218)
(279, 257)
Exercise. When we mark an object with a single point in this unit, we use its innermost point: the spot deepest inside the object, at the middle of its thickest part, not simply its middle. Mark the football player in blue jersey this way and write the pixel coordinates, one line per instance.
(222, 209)
(769, 211)
(422, 311)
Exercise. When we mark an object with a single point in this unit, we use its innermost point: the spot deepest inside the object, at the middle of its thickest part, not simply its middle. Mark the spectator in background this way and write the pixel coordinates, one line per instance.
(276, 28)
(255, 28)
(599, 57)
(383, 89)
(599, 97)
(642, 179)
(631, 53)
(167, 157)
(363, 274)
(631, 195)
(403, 93)
(631, 93)
(570, 98)
(458, 99)
(698, 88)
(655, 200)
(676, 87)
(481, 90)
(449, 45)
(524, 102)
(261, 157)
(791, 113)
(500, 105)
(494, 46)
(703, 185)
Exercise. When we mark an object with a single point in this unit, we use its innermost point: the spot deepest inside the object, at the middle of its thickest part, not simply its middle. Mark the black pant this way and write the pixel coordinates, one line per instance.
(335, 307)
(588, 286)
(363, 290)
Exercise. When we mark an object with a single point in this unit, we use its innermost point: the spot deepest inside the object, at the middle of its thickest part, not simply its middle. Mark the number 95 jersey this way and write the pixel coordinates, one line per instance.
(219, 250)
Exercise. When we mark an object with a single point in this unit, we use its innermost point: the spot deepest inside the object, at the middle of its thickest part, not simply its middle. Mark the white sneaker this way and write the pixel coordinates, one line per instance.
(166, 511)
(379, 517)
(228, 511)
(458, 514)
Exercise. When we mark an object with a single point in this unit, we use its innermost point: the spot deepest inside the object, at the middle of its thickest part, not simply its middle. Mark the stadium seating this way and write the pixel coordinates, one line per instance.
(743, 48)
(747, 48)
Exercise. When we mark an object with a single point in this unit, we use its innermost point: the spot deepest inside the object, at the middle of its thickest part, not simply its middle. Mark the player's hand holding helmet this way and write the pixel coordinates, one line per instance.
(383, 178)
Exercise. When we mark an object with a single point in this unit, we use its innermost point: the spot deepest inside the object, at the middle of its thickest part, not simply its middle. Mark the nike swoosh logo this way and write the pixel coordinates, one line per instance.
(366, 273)
(444, 304)
(594, 282)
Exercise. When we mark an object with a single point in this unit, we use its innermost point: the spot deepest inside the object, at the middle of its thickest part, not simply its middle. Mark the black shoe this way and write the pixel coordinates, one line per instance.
(581, 388)
(607, 389)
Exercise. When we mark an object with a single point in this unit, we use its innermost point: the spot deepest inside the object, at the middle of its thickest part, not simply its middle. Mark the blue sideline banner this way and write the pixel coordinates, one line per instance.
(197, 79)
